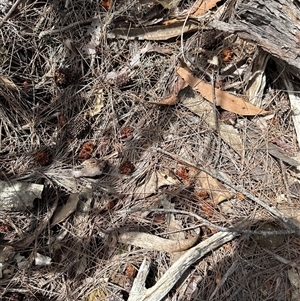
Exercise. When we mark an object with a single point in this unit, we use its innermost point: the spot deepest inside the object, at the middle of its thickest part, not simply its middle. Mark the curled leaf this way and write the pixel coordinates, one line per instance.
(169, 101)
(91, 168)
(173, 99)
(224, 99)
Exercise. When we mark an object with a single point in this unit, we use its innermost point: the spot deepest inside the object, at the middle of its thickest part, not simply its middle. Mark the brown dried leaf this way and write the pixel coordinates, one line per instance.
(173, 99)
(183, 174)
(204, 6)
(202, 194)
(226, 54)
(217, 190)
(64, 211)
(225, 100)
(208, 210)
(240, 196)
(169, 101)
(105, 4)
(179, 85)
(130, 271)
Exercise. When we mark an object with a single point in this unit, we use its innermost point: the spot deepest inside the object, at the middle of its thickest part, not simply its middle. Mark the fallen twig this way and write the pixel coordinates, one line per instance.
(150, 241)
(208, 223)
(65, 28)
(176, 271)
(10, 12)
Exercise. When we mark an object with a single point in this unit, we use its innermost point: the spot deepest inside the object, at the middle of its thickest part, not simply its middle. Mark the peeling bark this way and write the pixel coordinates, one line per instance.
(273, 25)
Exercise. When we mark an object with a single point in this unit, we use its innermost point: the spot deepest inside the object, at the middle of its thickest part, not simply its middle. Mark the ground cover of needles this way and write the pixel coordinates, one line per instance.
(80, 119)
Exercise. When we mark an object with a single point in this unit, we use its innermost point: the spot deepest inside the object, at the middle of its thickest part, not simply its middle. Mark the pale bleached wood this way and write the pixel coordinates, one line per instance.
(153, 242)
(176, 271)
(273, 25)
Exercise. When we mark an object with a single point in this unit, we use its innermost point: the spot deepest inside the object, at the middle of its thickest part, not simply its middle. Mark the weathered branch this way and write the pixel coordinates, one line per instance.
(176, 271)
(273, 25)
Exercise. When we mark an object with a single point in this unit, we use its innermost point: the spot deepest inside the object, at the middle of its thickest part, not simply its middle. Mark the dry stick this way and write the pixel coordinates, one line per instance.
(224, 279)
(42, 19)
(208, 223)
(176, 271)
(291, 263)
(182, 31)
(10, 12)
(216, 116)
(62, 29)
(284, 178)
(290, 224)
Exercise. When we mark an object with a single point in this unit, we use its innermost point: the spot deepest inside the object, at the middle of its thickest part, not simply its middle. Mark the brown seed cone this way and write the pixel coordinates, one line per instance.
(65, 77)
(79, 128)
(42, 157)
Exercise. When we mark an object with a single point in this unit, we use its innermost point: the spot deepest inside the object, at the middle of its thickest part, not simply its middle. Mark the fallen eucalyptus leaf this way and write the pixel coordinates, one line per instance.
(218, 192)
(154, 33)
(204, 109)
(154, 181)
(204, 6)
(168, 101)
(64, 211)
(153, 242)
(224, 99)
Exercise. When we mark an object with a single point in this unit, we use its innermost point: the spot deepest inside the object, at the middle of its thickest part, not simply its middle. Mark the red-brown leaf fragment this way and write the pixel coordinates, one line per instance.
(130, 271)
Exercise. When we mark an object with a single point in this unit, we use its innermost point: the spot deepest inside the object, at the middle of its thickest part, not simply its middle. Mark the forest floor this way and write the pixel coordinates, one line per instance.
(132, 133)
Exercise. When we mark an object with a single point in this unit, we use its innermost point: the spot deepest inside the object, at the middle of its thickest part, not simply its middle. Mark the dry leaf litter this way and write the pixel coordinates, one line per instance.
(132, 133)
